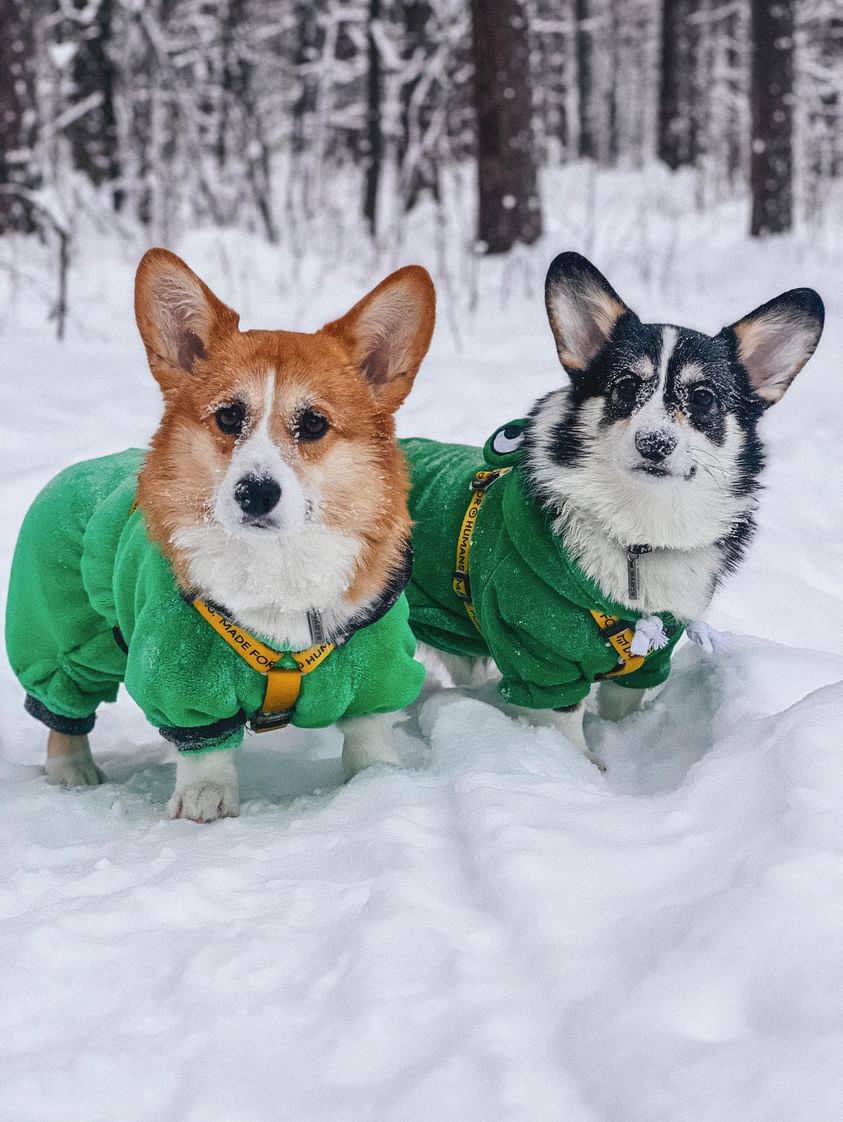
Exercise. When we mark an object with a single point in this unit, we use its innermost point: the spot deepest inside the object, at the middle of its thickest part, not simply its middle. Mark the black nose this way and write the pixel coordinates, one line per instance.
(256, 495)
(655, 445)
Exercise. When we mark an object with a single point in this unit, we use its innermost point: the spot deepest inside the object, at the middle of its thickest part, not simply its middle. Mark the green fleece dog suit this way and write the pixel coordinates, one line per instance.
(533, 605)
(93, 603)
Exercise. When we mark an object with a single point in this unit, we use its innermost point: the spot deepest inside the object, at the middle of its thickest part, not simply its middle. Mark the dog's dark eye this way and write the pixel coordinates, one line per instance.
(231, 418)
(311, 425)
(702, 399)
(625, 390)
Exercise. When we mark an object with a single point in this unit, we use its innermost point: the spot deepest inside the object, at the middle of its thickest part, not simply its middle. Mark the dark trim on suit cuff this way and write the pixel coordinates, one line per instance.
(199, 738)
(70, 726)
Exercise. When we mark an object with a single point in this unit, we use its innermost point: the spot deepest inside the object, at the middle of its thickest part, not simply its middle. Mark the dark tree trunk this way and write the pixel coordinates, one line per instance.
(612, 137)
(17, 114)
(93, 136)
(419, 171)
(509, 209)
(694, 87)
(373, 151)
(587, 146)
(234, 78)
(680, 108)
(831, 99)
(771, 173)
(672, 125)
(308, 49)
(734, 146)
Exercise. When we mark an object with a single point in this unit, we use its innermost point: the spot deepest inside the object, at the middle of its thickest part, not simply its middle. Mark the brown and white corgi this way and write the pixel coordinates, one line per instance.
(274, 492)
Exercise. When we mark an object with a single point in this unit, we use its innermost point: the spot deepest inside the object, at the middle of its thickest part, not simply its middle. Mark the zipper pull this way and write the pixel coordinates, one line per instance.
(317, 631)
(633, 552)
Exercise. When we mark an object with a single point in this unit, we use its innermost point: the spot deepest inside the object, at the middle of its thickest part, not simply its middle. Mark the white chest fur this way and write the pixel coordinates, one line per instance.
(269, 584)
(680, 581)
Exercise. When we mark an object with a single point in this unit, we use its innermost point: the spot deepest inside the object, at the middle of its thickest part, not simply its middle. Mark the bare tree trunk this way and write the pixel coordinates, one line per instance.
(308, 49)
(771, 172)
(734, 134)
(612, 94)
(419, 170)
(373, 153)
(693, 92)
(673, 123)
(93, 135)
(509, 209)
(587, 146)
(17, 113)
(234, 77)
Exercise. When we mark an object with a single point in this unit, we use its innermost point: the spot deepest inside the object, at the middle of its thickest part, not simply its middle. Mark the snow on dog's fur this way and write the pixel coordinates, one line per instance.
(305, 422)
(654, 441)
(273, 485)
(648, 460)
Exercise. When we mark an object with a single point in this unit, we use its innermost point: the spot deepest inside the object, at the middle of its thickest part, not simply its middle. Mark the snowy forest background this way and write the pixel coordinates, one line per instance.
(495, 931)
(340, 125)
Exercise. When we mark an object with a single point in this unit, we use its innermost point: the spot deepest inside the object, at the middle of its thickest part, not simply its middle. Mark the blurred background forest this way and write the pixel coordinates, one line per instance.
(336, 124)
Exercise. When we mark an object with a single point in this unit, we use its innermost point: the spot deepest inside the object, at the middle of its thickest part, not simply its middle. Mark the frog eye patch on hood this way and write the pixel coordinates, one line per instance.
(505, 446)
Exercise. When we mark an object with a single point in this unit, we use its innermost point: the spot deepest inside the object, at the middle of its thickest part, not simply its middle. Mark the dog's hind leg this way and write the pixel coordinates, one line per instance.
(69, 761)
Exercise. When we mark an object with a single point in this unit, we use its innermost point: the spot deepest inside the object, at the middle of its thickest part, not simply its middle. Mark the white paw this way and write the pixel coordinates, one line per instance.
(708, 639)
(205, 801)
(358, 756)
(368, 741)
(74, 771)
(593, 758)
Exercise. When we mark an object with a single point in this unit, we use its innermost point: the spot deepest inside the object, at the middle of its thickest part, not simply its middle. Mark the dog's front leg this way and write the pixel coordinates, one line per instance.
(206, 787)
(367, 741)
(69, 761)
(463, 671)
(568, 721)
(615, 702)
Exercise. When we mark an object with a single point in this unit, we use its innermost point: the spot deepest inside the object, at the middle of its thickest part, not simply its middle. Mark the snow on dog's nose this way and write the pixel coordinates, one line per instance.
(654, 445)
(257, 495)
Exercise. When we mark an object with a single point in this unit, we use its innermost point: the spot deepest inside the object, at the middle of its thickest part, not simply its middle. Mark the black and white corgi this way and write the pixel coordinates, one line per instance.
(621, 501)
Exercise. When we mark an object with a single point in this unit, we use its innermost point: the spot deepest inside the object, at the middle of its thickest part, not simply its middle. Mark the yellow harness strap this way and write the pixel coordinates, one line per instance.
(617, 634)
(283, 684)
(461, 584)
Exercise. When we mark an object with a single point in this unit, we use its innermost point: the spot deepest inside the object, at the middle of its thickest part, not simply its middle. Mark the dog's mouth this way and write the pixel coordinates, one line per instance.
(259, 523)
(659, 471)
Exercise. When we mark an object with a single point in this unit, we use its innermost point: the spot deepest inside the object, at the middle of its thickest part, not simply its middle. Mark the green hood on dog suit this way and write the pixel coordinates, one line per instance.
(533, 604)
(93, 603)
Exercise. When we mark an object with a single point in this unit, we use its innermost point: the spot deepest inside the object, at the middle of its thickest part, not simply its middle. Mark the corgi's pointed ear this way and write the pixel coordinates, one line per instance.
(387, 333)
(178, 316)
(776, 340)
(582, 307)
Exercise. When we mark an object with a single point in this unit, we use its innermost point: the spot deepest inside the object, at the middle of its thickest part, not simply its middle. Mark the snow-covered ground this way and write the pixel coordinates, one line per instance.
(497, 932)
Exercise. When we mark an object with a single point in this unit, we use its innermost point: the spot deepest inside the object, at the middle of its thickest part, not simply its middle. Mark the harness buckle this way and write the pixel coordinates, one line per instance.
(268, 722)
(482, 481)
(616, 628)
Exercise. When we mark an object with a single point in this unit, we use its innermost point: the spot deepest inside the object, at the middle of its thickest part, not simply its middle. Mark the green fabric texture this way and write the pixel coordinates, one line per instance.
(84, 565)
(532, 601)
